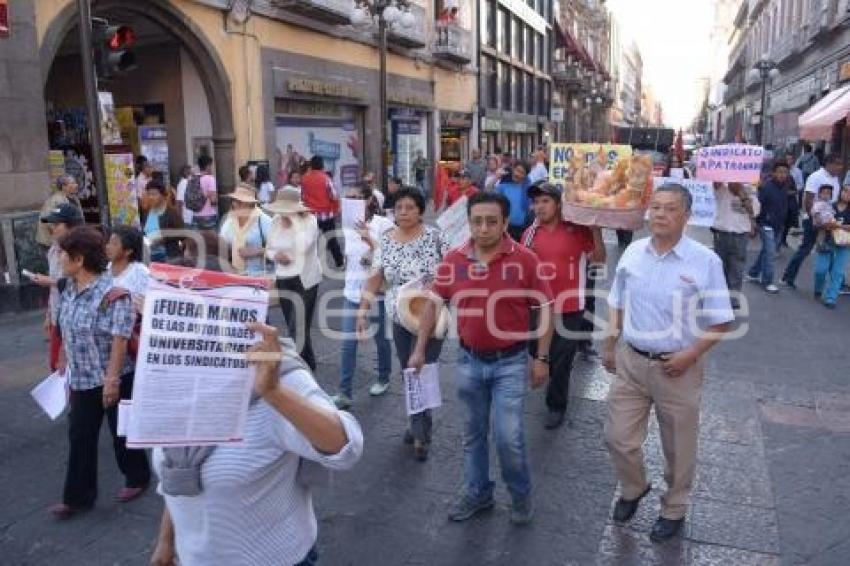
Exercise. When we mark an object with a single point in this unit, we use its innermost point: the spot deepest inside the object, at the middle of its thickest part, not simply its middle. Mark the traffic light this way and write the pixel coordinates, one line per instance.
(112, 48)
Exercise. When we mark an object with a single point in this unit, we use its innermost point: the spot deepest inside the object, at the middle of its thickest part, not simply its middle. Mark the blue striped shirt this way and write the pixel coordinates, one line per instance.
(669, 299)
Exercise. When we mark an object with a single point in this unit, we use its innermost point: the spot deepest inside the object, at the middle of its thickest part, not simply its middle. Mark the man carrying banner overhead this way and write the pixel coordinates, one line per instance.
(564, 250)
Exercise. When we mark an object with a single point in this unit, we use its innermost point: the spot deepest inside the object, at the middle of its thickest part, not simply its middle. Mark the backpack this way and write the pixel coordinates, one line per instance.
(195, 199)
(133, 342)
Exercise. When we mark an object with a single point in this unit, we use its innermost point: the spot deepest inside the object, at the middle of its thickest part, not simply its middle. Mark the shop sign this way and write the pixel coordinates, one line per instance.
(491, 124)
(557, 114)
(455, 120)
(324, 88)
(409, 99)
(4, 18)
(405, 114)
(844, 71)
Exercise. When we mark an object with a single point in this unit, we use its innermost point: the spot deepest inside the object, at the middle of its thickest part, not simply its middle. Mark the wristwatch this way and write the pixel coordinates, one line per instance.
(542, 358)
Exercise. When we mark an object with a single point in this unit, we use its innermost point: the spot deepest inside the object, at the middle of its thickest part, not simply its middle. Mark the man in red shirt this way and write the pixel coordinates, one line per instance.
(320, 196)
(564, 250)
(463, 188)
(493, 283)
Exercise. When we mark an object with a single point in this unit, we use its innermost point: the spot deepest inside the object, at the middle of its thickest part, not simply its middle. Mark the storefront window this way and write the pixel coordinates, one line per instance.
(305, 129)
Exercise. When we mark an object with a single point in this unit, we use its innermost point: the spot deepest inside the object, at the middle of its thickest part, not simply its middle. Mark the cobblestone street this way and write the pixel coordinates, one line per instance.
(772, 485)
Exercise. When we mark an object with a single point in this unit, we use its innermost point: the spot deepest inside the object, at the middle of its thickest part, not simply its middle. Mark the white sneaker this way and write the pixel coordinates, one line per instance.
(378, 389)
(342, 401)
(772, 288)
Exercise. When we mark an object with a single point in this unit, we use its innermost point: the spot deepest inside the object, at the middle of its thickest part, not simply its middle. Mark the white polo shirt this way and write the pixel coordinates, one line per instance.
(822, 177)
(667, 300)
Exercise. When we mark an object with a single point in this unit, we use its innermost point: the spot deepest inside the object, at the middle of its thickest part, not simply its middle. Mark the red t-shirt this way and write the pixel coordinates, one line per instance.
(563, 255)
(455, 193)
(493, 300)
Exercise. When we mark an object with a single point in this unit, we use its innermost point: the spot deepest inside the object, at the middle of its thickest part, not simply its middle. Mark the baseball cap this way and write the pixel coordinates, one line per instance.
(65, 213)
(544, 188)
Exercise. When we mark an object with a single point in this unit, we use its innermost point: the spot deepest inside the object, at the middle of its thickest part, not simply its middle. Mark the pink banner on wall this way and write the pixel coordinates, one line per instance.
(735, 163)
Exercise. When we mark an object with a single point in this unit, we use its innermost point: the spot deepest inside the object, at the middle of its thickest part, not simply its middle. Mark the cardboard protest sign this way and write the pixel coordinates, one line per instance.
(704, 206)
(193, 381)
(603, 184)
(730, 163)
(454, 224)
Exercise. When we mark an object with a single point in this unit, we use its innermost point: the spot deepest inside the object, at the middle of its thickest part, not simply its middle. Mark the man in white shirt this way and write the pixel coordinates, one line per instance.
(538, 172)
(670, 305)
(826, 175)
(736, 209)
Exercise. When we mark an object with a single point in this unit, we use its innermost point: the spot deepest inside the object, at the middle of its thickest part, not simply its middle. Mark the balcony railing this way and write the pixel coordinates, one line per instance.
(453, 43)
(565, 73)
(413, 36)
(336, 12)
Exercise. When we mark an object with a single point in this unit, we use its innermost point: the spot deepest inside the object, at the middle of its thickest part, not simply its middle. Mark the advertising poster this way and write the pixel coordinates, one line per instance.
(730, 163)
(123, 204)
(336, 141)
(193, 381)
(153, 143)
(110, 128)
(56, 164)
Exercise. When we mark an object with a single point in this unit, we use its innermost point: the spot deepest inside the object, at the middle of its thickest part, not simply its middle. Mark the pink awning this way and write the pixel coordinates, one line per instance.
(817, 122)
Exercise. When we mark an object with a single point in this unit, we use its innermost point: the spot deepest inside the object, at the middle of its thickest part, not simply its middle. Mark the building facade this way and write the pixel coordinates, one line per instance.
(515, 86)
(808, 41)
(582, 64)
(272, 81)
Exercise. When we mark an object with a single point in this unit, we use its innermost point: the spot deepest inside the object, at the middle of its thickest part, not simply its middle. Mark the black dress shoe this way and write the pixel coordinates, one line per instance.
(554, 419)
(625, 509)
(665, 529)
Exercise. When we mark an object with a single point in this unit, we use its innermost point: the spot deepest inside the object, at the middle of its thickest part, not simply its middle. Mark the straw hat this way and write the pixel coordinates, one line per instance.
(287, 201)
(244, 193)
(410, 305)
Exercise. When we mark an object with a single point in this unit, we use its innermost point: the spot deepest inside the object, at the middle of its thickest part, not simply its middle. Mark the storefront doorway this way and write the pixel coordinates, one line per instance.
(173, 105)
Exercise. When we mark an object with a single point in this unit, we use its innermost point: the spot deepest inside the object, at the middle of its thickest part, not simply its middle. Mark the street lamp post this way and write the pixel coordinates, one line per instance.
(386, 12)
(764, 69)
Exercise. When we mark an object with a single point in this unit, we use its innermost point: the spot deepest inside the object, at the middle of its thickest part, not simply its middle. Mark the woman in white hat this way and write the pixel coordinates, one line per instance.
(246, 230)
(293, 247)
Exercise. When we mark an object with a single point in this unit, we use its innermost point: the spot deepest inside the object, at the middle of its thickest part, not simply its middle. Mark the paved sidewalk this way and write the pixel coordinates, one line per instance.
(772, 485)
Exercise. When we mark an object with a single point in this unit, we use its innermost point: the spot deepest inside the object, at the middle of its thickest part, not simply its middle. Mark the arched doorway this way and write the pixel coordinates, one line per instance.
(163, 28)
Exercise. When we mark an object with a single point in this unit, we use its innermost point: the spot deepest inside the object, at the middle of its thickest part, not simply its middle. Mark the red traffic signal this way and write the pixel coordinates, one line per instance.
(122, 38)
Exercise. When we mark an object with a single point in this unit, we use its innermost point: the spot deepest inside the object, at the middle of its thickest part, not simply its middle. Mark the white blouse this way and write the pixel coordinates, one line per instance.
(300, 243)
(252, 510)
(134, 278)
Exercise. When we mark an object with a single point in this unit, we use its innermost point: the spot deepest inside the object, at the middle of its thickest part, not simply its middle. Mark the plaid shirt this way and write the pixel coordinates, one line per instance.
(88, 323)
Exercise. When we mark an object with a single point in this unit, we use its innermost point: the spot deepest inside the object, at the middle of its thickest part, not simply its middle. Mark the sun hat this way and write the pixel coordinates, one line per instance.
(287, 201)
(243, 193)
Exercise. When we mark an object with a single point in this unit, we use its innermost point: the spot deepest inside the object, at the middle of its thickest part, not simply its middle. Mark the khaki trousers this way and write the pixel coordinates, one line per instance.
(640, 383)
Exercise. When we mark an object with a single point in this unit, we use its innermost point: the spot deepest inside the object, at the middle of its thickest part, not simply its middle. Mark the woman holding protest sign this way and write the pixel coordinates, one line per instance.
(251, 502)
(409, 252)
(293, 247)
(246, 229)
(95, 322)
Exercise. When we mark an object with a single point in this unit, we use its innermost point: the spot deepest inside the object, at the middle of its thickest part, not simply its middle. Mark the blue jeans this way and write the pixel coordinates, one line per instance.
(832, 264)
(810, 235)
(763, 267)
(349, 346)
(501, 385)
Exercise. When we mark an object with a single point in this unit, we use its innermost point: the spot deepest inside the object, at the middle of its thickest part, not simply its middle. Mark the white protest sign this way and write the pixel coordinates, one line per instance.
(704, 206)
(353, 212)
(52, 394)
(193, 381)
(454, 224)
(422, 390)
